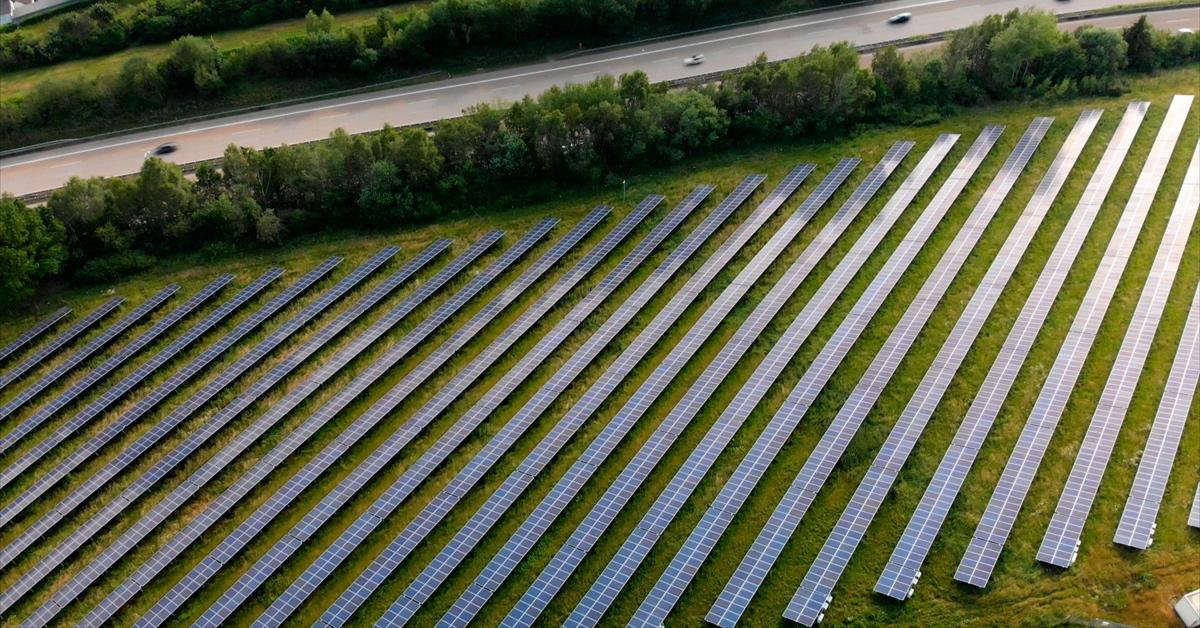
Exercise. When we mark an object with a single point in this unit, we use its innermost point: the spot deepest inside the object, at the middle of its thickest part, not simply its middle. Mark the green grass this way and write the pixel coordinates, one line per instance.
(1107, 582)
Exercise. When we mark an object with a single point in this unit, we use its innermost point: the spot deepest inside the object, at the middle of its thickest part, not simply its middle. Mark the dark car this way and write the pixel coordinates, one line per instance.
(164, 149)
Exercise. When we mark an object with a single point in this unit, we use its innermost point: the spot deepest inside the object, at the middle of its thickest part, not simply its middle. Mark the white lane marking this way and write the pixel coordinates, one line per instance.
(246, 132)
(586, 76)
(483, 81)
(424, 101)
(332, 115)
(69, 163)
(1177, 21)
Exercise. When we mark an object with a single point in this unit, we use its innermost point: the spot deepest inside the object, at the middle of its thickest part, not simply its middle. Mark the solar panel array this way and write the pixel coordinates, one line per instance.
(1137, 525)
(97, 480)
(1060, 544)
(47, 479)
(320, 569)
(652, 386)
(588, 462)
(200, 523)
(599, 597)
(864, 504)
(903, 568)
(282, 499)
(235, 595)
(688, 560)
(87, 351)
(981, 555)
(221, 382)
(33, 333)
(85, 447)
(412, 534)
(59, 341)
(144, 370)
(322, 373)
(119, 357)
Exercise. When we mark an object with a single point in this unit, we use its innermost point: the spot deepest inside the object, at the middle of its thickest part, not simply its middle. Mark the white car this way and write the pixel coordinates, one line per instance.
(694, 60)
(900, 18)
(1186, 31)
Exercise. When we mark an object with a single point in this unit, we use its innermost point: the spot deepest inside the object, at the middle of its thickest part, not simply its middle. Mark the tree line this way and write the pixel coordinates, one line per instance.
(105, 27)
(101, 229)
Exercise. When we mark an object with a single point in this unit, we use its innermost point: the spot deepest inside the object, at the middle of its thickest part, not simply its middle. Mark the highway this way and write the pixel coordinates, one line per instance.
(662, 60)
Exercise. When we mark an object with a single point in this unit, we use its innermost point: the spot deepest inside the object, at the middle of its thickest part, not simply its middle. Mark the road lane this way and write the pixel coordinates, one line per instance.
(662, 60)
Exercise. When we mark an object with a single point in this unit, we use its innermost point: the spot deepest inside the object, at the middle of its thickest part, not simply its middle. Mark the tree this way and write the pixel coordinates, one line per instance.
(1139, 41)
(154, 207)
(895, 80)
(140, 83)
(31, 248)
(1104, 52)
(194, 63)
(1027, 37)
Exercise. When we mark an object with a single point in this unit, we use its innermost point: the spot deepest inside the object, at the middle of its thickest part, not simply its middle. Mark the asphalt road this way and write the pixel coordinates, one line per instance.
(663, 60)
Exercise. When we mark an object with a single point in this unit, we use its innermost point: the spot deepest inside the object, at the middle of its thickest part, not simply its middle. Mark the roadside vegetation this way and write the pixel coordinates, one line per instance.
(580, 135)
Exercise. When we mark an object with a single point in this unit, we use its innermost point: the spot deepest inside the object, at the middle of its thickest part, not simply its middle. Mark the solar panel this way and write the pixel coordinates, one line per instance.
(595, 602)
(515, 484)
(979, 560)
(317, 465)
(1194, 516)
(118, 390)
(521, 542)
(87, 351)
(199, 523)
(334, 499)
(244, 439)
(33, 333)
(119, 357)
(1137, 525)
(688, 560)
(1061, 541)
(60, 341)
(47, 479)
(361, 588)
(899, 576)
(328, 561)
(856, 518)
(98, 479)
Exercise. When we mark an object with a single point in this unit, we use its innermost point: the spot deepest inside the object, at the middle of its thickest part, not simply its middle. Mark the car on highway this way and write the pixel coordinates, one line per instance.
(163, 149)
(1186, 31)
(696, 59)
(900, 18)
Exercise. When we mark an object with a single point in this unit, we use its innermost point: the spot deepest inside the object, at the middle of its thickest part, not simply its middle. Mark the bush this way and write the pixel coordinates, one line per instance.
(31, 248)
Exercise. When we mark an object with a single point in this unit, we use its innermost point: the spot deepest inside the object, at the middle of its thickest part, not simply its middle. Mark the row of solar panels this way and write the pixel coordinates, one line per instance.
(815, 592)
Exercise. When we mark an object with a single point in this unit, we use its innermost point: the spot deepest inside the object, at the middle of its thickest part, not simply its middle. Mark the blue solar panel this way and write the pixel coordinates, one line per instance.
(348, 487)
(60, 341)
(902, 571)
(144, 370)
(308, 474)
(200, 523)
(1064, 534)
(92, 347)
(559, 381)
(216, 463)
(515, 484)
(620, 568)
(1137, 525)
(517, 545)
(47, 479)
(696, 548)
(984, 549)
(96, 480)
(119, 357)
(328, 561)
(33, 333)
(1194, 515)
(817, 588)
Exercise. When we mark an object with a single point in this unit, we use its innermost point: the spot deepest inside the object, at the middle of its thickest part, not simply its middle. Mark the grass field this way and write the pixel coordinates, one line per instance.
(1107, 582)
